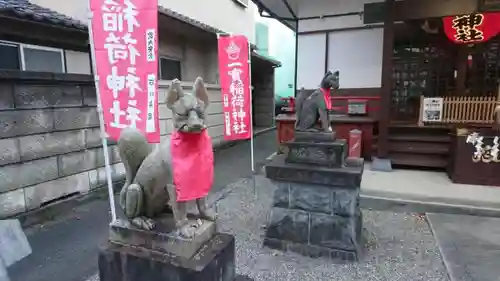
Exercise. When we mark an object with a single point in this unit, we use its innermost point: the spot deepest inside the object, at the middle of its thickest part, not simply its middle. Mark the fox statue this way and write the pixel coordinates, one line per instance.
(311, 106)
(179, 170)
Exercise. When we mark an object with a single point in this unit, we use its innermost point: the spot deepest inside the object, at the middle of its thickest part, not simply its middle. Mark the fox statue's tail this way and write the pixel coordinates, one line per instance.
(133, 148)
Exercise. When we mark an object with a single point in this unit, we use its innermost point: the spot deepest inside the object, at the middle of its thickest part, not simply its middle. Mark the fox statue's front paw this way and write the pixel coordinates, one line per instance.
(143, 223)
(187, 230)
(208, 214)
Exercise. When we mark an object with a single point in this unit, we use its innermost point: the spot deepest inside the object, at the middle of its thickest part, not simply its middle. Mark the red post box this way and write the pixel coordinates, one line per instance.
(355, 143)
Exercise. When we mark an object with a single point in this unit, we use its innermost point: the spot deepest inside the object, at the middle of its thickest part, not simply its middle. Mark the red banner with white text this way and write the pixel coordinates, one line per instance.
(234, 71)
(125, 40)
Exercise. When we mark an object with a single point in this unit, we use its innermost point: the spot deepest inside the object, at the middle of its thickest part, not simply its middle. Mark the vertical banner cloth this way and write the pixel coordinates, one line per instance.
(234, 71)
(125, 38)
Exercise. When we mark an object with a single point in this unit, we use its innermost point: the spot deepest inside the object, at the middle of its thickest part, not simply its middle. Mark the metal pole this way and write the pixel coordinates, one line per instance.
(252, 160)
(101, 119)
(295, 86)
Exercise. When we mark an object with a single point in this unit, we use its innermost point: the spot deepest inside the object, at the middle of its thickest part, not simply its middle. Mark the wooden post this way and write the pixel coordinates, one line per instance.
(385, 113)
(420, 112)
(496, 112)
(461, 65)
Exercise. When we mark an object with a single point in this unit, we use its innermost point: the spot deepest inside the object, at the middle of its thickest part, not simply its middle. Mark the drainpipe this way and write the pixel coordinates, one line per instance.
(295, 86)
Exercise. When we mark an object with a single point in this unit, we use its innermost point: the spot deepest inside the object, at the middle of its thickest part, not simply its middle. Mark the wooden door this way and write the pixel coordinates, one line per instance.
(423, 64)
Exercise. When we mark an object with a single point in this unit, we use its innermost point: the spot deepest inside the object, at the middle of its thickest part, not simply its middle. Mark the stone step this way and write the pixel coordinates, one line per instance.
(346, 177)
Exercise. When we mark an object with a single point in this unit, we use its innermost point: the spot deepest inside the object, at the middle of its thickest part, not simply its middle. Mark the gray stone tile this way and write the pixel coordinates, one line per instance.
(93, 137)
(289, 225)
(335, 232)
(77, 162)
(6, 97)
(12, 203)
(25, 122)
(41, 96)
(38, 194)
(28, 173)
(312, 198)
(75, 118)
(89, 95)
(9, 152)
(38, 146)
(98, 177)
(281, 196)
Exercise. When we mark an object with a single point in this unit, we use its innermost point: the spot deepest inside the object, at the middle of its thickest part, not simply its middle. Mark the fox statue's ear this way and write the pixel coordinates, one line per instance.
(174, 93)
(200, 91)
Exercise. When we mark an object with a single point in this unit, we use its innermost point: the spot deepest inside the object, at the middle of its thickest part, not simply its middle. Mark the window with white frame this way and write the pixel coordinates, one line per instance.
(169, 69)
(31, 58)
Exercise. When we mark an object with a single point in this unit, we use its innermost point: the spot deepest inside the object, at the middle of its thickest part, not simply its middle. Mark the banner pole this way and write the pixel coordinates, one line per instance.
(101, 118)
(252, 159)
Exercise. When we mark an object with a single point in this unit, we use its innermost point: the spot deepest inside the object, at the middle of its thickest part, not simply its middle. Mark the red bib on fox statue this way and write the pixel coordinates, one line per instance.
(192, 164)
(327, 97)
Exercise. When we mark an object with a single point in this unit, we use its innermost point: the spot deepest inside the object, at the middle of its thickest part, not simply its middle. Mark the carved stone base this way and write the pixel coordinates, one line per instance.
(164, 237)
(316, 223)
(345, 177)
(316, 210)
(328, 154)
(214, 262)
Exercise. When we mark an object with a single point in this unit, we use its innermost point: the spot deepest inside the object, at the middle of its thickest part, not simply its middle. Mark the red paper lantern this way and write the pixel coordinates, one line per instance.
(471, 28)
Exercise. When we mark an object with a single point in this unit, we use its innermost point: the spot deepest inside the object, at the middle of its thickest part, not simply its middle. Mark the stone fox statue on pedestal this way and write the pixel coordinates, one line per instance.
(178, 170)
(311, 106)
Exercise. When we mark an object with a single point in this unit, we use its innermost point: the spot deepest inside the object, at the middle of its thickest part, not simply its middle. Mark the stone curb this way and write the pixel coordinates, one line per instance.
(435, 199)
(63, 207)
(417, 206)
(394, 202)
(446, 262)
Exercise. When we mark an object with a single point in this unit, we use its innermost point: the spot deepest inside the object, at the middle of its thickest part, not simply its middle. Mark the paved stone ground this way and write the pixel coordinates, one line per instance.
(470, 246)
(65, 249)
(399, 246)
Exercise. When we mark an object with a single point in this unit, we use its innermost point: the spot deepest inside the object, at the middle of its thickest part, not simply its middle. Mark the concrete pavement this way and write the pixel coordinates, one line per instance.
(426, 192)
(469, 245)
(65, 249)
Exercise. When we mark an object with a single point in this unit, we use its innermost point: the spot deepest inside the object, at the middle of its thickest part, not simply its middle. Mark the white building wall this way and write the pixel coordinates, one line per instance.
(331, 7)
(355, 52)
(226, 15)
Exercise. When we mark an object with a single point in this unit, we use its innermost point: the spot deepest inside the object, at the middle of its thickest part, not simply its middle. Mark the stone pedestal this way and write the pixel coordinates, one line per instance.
(316, 203)
(134, 254)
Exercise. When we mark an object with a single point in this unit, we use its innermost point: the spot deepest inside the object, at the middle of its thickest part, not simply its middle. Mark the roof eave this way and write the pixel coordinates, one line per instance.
(285, 21)
(274, 63)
